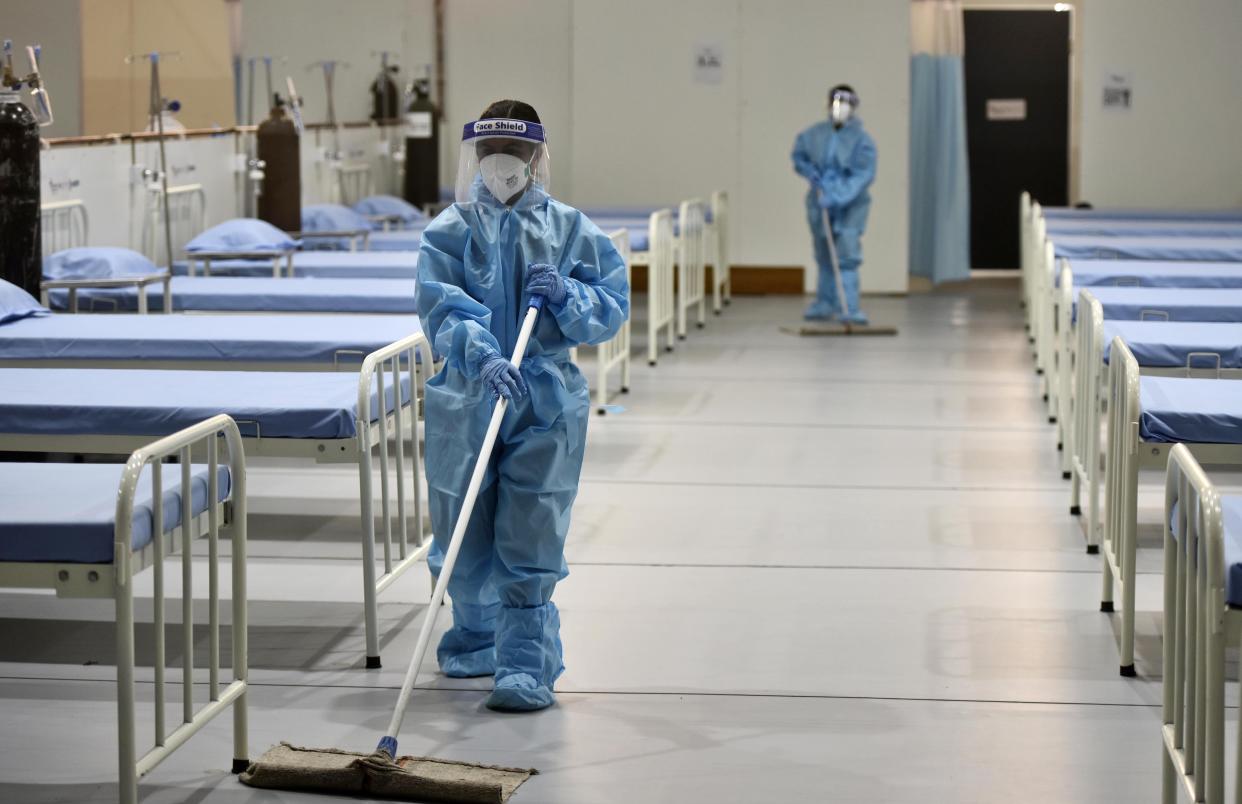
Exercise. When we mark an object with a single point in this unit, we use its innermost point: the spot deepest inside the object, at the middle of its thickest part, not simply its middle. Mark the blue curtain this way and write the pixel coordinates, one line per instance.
(939, 176)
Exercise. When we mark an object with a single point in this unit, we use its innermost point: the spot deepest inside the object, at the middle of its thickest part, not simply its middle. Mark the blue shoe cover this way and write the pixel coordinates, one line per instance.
(857, 317)
(474, 664)
(819, 311)
(519, 693)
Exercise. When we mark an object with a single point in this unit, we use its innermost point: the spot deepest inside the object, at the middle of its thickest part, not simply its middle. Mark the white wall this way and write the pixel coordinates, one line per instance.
(1178, 146)
(57, 25)
(628, 126)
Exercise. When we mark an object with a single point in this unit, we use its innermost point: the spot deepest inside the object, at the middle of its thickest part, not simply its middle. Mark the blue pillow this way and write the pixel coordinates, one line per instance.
(97, 262)
(333, 218)
(390, 206)
(16, 303)
(242, 234)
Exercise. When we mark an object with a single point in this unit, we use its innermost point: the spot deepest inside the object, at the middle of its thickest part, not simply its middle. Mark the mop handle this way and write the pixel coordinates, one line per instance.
(389, 742)
(836, 266)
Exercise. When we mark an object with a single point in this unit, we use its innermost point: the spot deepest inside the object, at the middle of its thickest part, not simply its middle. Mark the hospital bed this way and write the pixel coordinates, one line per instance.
(217, 342)
(325, 417)
(1146, 417)
(1160, 348)
(251, 295)
(615, 351)
(1202, 601)
(310, 264)
(1044, 321)
(1131, 290)
(86, 530)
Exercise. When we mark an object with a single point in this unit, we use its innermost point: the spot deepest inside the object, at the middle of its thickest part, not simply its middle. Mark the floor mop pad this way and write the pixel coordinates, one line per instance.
(382, 773)
(327, 770)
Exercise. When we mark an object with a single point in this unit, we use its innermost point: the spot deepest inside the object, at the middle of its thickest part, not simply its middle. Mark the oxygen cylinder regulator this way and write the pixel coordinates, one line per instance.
(21, 258)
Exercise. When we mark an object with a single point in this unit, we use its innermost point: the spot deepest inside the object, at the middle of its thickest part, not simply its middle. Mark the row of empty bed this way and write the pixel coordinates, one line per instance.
(1135, 319)
(307, 350)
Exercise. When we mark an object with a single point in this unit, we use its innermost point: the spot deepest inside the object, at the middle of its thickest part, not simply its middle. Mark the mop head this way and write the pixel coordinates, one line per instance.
(834, 328)
(328, 770)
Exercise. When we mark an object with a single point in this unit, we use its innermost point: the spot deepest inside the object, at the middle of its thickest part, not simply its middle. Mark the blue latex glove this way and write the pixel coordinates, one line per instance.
(502, 378)
(544, 280)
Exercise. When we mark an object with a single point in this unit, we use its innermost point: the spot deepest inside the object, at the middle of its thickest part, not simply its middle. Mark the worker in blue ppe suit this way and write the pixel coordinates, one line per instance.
(480, 261)
(837, 158)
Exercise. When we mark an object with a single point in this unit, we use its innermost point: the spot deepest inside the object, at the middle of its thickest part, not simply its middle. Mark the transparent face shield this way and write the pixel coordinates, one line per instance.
(502, 159)
(841, 106)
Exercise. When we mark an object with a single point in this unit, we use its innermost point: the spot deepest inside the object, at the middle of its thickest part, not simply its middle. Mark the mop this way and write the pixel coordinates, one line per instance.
(837, 327)
(382, 773)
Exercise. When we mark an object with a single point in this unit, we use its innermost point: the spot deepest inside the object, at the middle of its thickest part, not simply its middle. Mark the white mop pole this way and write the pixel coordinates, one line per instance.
(836, 266)
(388, 744)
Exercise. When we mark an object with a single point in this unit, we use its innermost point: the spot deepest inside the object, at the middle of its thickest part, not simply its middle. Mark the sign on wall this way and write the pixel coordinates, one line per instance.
(708, 62)
(1118, 91)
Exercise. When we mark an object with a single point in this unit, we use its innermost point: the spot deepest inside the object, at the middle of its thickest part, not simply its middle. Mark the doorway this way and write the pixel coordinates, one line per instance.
(1017, 72)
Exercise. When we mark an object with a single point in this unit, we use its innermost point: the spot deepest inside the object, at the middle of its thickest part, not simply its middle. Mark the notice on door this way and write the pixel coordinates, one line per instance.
(708, 62)
(1006, 109)
(1118, 91)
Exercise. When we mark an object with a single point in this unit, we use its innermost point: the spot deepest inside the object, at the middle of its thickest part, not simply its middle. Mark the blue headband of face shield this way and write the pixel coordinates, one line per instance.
(516, 129)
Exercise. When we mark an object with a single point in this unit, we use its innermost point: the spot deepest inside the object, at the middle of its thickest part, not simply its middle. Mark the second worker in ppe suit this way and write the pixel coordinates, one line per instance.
(480, 261)
(837, 157)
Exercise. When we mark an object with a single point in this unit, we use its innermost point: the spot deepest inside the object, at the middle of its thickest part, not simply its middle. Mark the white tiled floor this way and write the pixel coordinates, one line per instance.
(802, 570)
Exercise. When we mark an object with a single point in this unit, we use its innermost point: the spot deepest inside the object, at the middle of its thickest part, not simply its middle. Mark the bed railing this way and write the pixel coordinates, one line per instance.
(64, 225)
(1198, 626)
(718, 251)
(384, 370)
(615, 352)
(187, 214)
(691, 273)
(661, 300)
(181, 446)
(353, 182)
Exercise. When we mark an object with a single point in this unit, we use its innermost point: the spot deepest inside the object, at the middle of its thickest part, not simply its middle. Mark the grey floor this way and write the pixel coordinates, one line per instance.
(801, 570)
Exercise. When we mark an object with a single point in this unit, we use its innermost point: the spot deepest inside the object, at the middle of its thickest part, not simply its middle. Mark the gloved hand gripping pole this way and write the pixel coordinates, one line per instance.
(388, 744)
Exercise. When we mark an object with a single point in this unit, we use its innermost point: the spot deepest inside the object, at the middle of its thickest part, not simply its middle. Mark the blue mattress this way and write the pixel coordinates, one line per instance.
(313, 405)
(1181, 304)
(78, 524)
(637, 227)
(1131, 214)
(1231, 521)
(1177, 409)
(1210, 249)
(224, 294)
(397, 240)
(1160, 344)
(310, 339)
(323, 265)
(1155, 274)
(1104, 227)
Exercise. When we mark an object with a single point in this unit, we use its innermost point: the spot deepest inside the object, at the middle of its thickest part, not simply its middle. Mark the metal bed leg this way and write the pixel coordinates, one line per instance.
(369, 594)
(127, 769)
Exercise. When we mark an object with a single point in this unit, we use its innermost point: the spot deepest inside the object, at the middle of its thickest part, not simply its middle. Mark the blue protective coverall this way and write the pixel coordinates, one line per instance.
(472, 269)
(840, 165)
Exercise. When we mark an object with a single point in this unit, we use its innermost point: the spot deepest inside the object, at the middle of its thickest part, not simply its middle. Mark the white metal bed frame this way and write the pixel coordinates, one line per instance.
(115, 580)
(187, 208)
(1085, 400)
(1126, 454)
(615, 351)
(661, 297)
(717, 233)
(399, 427)
(64, 224)
(691, 263)
(1199, 625)
(353, 182)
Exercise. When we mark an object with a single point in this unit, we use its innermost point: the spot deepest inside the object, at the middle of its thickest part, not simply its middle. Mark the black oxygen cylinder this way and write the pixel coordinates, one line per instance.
(279, 146)
(422, 149)
(21, 252)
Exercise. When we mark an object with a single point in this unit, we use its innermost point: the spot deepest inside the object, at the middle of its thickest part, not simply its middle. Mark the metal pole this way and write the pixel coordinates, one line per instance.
(157, 101)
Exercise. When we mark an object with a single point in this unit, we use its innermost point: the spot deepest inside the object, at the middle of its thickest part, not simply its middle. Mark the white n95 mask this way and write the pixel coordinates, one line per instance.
(505, 175)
